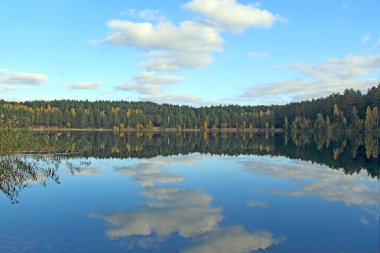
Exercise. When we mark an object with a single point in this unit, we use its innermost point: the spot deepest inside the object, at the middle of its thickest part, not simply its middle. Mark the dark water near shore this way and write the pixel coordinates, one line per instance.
(194, 193)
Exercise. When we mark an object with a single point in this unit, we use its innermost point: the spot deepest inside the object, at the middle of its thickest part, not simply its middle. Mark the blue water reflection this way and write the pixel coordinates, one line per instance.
(196, 203)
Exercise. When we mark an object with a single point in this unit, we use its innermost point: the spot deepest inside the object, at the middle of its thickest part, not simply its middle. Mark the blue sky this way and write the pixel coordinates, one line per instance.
(196, 52)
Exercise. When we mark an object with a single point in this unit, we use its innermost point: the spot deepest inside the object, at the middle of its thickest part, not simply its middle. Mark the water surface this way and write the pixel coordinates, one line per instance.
(197, 193)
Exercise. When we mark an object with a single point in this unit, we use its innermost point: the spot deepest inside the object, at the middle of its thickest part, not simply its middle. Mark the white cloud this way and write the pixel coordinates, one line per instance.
(164, 36)
(149, 86)
(317, 180)
(234, 240)
(155, 165)
(365, 38)
(12, 77)
(231, 15)
(152, 179)
(187, 211)
(140, 88)
(168, 209)
(177, 60)
(150, 171)
(146, 178)
(257, 55)
(180, 159)
(313, 81)
(84, 85)
(174, 196)
(175, 98)
(149, 77)
(143, 168)
(189, 45)
(349, 67)
(148, 83)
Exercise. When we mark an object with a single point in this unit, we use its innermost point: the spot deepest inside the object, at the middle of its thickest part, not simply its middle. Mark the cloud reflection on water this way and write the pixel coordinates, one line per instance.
(173, 209)
(318, 180)
(234, 239)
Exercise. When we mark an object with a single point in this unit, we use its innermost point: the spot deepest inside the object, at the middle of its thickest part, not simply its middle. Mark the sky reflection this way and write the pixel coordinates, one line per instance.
(171, 209)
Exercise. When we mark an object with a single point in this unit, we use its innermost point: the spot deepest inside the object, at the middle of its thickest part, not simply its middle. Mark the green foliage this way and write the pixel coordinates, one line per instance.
(16, 140)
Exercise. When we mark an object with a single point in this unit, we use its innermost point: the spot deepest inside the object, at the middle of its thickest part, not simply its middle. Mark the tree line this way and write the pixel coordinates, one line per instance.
(350, 110)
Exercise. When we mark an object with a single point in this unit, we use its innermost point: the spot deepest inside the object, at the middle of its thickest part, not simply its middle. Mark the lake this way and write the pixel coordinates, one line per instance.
(194, 192)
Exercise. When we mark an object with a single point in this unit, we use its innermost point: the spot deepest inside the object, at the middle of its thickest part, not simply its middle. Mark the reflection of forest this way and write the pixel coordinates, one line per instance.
(350, 152)
(25, 159)
(17, 172)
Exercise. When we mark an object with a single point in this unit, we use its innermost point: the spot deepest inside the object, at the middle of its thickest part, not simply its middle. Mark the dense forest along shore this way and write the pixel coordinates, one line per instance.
(351, 110)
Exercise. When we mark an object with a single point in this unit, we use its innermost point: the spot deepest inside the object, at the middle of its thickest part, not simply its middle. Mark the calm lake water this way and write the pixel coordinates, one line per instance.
(195, 193)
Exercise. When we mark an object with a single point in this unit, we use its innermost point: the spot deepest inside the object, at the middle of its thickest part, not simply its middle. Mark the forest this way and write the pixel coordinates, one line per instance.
(351, 110)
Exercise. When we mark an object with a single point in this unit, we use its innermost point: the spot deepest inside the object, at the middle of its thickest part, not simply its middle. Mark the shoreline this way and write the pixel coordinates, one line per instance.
(158, 130)
(194, 130)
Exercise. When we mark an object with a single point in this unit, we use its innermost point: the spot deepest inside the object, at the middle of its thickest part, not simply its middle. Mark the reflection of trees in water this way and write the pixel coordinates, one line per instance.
(27, 158)
(300, 139)
(19, 171)
(349, 151)
(372, 146)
